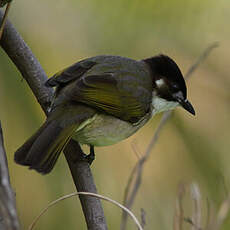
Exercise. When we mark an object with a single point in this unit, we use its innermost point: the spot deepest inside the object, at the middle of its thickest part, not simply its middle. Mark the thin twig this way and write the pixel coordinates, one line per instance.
(199, 60)
(136, 150)
(31, 70)
(7, 198)
(4, 19)
(144, 158)
(143, 218)
(135, 177)
(88, 194)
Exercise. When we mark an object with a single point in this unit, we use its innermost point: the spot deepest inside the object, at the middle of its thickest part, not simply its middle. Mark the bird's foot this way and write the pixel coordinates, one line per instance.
(90, 157)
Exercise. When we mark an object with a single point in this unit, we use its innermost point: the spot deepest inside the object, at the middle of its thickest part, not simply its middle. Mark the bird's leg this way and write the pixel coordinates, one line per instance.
(90, 157)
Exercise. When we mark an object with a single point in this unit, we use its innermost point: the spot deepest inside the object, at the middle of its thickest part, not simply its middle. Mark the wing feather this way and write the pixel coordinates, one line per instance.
(102, 92)
(108, 84)
(69, 74)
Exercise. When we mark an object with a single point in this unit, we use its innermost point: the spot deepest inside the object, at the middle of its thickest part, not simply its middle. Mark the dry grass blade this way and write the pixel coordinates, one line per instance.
(179, 212)
(208, 219)
(88, 194)
(223, 212)
(196, 197)
(210, 222)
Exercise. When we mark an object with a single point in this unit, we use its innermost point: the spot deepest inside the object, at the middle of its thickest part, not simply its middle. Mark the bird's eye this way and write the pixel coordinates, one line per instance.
(174, 88)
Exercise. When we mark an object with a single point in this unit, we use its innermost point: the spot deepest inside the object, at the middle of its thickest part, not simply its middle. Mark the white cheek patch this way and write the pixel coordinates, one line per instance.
(160, 82)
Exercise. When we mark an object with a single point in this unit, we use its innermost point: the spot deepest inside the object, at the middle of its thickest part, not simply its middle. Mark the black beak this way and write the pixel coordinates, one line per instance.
(187, 106)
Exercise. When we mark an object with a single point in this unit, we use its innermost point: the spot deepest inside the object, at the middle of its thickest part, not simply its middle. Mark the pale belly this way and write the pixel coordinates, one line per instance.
(102, 130)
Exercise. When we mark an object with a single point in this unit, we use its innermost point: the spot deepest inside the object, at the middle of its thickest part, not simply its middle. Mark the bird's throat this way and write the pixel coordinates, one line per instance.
(160, 105)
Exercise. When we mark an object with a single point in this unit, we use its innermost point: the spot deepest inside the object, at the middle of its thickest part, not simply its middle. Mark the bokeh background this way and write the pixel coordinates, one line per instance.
(190, 149)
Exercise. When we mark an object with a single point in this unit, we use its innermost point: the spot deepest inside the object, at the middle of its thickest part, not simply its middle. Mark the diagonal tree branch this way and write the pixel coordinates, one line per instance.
(31, 70)
(8, 211)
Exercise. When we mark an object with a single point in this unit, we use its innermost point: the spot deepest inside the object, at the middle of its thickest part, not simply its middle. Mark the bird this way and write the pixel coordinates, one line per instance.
(102, 100)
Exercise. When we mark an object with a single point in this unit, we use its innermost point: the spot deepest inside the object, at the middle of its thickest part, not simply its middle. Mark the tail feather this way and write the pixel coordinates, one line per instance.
(42, 150)
(22, 152)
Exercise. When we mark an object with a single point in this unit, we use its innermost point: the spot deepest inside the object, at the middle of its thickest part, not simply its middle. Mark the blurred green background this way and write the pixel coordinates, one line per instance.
(61, 32)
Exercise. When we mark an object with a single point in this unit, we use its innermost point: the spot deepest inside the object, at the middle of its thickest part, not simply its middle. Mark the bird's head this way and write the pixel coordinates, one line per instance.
(169, 89)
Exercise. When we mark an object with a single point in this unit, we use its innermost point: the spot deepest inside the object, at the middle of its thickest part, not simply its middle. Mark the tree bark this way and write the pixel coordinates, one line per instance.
(8, 212)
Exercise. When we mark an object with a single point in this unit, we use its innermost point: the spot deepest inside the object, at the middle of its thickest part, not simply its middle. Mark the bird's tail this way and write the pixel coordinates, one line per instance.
(42, 150)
